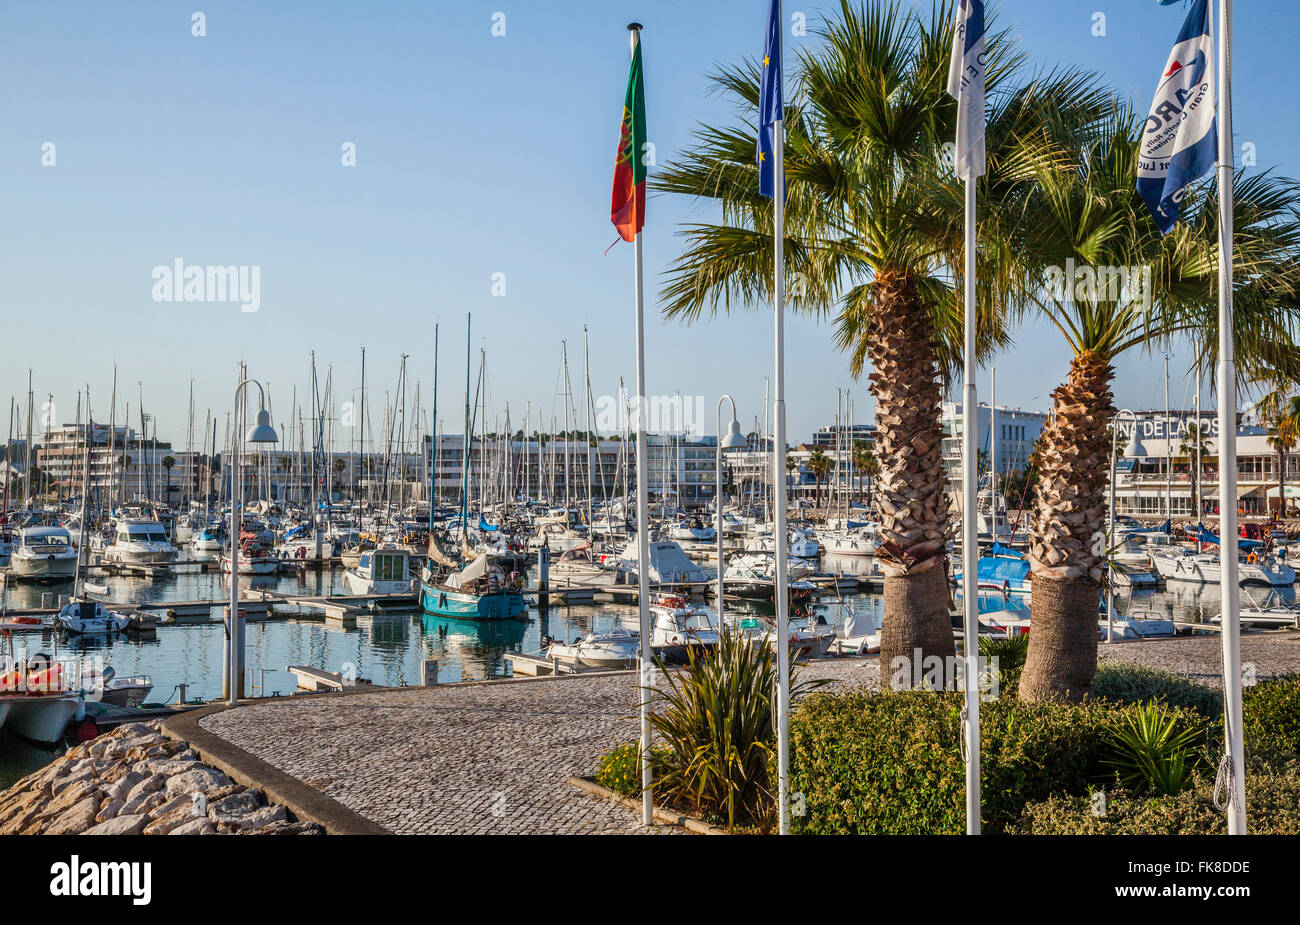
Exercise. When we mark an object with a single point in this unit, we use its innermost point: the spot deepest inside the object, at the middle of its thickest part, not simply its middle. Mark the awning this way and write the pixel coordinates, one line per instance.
(1292, 491)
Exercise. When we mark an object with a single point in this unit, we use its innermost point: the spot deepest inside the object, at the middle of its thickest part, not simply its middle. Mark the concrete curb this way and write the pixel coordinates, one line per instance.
(663, 816)
(306, 803)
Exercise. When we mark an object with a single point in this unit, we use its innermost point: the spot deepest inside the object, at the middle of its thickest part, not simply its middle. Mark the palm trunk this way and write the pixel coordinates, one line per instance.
(912, 488)
(1068, 551)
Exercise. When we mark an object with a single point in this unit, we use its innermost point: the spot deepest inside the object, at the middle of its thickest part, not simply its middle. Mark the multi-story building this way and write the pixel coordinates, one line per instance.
(1015, 431)
(1160, 482)
(122, 466)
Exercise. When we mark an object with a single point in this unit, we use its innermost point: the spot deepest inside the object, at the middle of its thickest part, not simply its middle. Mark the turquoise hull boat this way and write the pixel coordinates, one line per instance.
(464, 605)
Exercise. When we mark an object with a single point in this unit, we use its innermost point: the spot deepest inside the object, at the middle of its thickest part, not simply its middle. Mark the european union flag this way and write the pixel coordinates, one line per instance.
(771, 104)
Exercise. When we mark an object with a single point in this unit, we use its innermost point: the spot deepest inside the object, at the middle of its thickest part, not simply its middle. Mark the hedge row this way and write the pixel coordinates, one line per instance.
(868, 763)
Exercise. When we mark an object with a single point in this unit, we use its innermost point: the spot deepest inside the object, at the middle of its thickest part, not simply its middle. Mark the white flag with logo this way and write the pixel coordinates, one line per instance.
(966, 86)
(1180, 139)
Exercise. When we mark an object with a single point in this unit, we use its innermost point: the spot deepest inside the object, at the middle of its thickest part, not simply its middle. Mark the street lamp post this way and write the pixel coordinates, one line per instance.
(1132, 448)
(261, 432)
(732, 440)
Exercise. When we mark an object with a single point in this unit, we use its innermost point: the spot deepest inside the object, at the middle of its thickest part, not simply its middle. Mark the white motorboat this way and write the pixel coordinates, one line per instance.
(618, 648)
(856, 541)
(692, 531)
(578, 566)
(209, 539)
(1002, 623)
(679, 629)
(140, 542)
(801, 545)
(753, 577)
(108, 688)
(859, 635)
(41, 718)
(1274, 611)
(386, 570)
(43, 554)
(805, 642)
(35, 699)
(1139, 624)
(89, 617)
(1205, 568)
(255, 558)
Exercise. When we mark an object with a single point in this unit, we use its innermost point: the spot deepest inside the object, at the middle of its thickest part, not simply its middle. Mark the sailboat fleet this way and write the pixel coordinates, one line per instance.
(525, 514)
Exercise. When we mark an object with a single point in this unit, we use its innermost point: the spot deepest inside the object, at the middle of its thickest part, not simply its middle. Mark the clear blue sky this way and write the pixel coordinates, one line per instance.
(476, 155)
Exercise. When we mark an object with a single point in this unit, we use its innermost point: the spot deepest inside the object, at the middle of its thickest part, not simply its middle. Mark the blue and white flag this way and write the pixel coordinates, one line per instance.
(1180, 140)
(966, 86)
(771, 102)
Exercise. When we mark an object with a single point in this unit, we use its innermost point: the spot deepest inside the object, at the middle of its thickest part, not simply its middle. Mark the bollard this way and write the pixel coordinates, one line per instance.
(429, 672)
(543, 575)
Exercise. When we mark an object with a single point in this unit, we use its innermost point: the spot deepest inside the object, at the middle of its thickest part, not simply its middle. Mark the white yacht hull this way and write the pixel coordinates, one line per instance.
(41, 718)
(52, 567)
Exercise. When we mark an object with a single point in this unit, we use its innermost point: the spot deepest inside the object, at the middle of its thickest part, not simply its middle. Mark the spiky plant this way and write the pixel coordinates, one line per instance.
(717, 726)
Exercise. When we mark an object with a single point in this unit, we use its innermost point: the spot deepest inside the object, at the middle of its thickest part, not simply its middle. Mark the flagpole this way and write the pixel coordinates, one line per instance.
(970, 539)
(642, 511)
(782, 601)
(778, 478)
(1233, 764)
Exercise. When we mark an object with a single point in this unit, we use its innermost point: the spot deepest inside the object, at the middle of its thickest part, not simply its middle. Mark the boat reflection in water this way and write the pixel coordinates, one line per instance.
(479, 647)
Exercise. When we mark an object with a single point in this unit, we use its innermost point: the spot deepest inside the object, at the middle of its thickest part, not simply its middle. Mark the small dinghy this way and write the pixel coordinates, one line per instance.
(89, 617)
(618, 648)
(106, 687)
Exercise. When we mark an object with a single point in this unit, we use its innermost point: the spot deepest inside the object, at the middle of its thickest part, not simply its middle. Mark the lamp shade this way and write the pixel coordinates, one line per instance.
(734, 439)
(262, 432)
(1134, 446)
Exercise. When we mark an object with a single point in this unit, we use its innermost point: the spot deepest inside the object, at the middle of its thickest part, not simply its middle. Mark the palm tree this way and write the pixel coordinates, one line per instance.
(874, 239)
(1285, 436)
(168, 463)
(819, 464)
(1092, 216)
(864, 460)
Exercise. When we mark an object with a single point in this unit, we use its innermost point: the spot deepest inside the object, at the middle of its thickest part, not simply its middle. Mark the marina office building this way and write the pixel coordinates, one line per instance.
(1160, 482)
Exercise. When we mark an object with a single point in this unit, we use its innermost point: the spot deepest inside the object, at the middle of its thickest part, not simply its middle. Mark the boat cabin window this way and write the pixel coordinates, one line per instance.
(390, 568)
(47, 539)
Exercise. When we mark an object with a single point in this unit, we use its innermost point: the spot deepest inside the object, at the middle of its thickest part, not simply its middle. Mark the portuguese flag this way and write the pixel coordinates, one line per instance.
(627, 202)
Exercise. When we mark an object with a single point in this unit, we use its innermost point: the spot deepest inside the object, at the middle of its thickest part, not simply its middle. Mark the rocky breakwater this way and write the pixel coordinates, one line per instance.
(136, 781)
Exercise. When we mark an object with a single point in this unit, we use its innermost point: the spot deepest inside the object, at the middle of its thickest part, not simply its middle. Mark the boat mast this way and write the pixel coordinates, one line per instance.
(433, 436)
(83, 554)
(586, 400)
(112, 441)
(466, 440)
(27, 450)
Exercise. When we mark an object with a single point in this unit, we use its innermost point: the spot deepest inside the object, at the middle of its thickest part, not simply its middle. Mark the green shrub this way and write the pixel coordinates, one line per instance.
(1125, 683)
(1271, 717)
(891, 763)
(1272, 808)
(620, 769)
(1156, 749)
